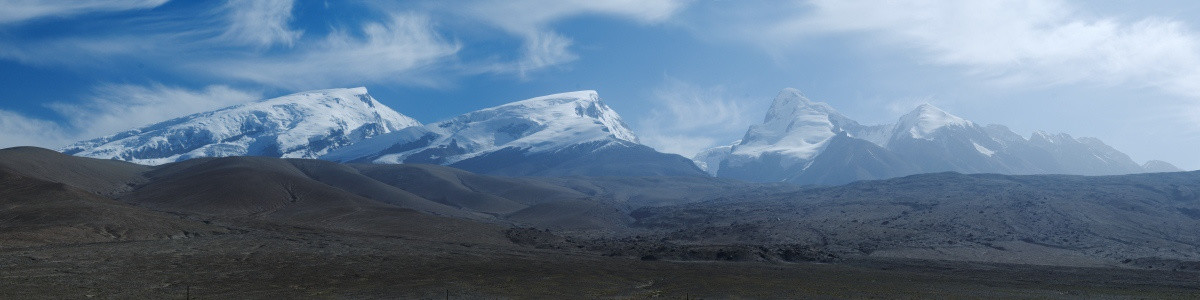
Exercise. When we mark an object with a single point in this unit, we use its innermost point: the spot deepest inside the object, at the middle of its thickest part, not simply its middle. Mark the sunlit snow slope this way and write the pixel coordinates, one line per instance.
(302, 125)
(571, 133)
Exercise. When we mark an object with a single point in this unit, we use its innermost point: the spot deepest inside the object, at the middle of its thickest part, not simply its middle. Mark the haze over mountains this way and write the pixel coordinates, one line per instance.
(799, 141)
(808, 142)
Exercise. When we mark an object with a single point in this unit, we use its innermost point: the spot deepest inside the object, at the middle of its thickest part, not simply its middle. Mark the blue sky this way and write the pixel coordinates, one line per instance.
(685, 75)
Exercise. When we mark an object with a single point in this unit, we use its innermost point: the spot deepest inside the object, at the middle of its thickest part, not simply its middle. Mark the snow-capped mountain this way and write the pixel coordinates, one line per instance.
(794, 131)
(302, 125)
(938, 141)
(809, 142)
(562, 134)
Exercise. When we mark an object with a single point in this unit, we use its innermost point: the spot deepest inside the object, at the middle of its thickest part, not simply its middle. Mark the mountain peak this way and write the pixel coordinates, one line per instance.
(301, 125)
(352, 90)
(926, 119)
(571, 107)
(795, 128)
(540, 124)
(927, 109)
(571, 133)
(356, 98)
(578, 96)
(787, 104)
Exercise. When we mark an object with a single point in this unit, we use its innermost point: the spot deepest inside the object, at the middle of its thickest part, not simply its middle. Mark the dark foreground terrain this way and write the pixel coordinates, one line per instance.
(305, 264)
(249, 227)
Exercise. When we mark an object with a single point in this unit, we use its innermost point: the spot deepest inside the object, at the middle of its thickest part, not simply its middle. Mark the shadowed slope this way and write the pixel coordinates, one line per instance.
(275, 190)
(99, 176)
(37, 212)
(351, 180)
(847, 159)
(521, 200)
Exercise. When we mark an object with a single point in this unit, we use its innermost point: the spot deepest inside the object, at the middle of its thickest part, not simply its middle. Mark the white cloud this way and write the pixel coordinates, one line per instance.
(404, 49)
(1009, 42)
(85, 51)
(238, 41)
(532, 15)
(686, 119)
(544, 49)
(401, 48)
(19, 130)
(531, 19)
(260, 23)
(23, 10)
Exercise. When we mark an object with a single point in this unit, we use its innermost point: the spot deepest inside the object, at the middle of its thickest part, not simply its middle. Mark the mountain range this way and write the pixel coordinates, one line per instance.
(806, 142)
(232, 204)
(302, 125)
(562, 134)
(575, 133)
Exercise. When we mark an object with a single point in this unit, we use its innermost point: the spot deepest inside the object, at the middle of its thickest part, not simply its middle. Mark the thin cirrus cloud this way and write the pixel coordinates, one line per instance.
(1011, 43)
(19, 130)
(403, 49)
(1032, 44)
(256, 43)
(260, 23)
(531, 20)
(16, 11)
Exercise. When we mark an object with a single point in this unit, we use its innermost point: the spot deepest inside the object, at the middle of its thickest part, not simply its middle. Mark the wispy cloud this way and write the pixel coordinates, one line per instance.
(106, 52)
(23, 10)
(544, 49)
(531, 20)
(685, 118)
(1024, 42)
(251, 41)
(1011, 43)
(18, 130)
(260, 23)
(403, 49)
(114, 108)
